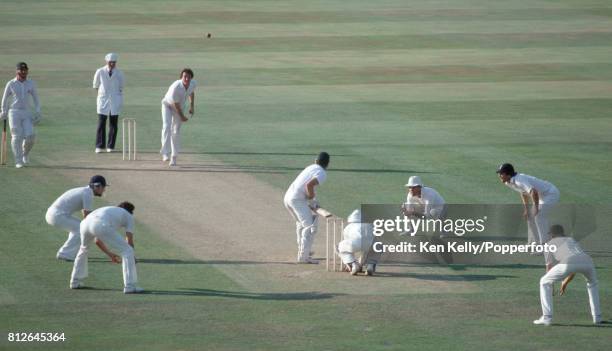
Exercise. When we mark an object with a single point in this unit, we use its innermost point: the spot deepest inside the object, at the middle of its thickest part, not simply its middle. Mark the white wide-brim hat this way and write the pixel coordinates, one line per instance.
(414, 181)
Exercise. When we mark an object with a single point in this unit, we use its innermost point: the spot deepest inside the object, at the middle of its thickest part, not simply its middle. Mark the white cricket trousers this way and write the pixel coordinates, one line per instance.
(170, 134)
(91, 228)
(22, 133)
(305, 225)
(547, 203)
(72, 225)
(558, 273)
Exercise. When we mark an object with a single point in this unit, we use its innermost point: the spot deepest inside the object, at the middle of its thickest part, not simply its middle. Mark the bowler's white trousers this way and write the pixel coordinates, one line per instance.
(72, 225)
(305, 225)
(171, 127)
(559, 272)
(91, 228)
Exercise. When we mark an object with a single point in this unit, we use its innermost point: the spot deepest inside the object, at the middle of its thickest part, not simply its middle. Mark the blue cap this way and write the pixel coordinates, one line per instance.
(97, 180)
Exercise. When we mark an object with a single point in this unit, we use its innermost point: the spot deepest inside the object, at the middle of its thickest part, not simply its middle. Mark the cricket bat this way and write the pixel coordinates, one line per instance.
(3, 152)
(323, 212)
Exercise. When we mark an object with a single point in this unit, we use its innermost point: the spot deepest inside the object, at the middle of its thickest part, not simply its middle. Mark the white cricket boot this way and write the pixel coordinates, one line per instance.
(172, 161)
(543, 321)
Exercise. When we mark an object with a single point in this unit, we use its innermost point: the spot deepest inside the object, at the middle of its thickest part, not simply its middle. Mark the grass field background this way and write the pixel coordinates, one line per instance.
(443, 89)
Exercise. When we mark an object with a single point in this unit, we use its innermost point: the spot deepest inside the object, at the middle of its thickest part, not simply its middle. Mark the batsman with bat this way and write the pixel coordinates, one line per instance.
(3, 146)
(300, 201)
(15, 106)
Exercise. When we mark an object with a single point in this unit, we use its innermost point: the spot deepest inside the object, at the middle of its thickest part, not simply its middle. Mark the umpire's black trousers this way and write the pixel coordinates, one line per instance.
(101, 132)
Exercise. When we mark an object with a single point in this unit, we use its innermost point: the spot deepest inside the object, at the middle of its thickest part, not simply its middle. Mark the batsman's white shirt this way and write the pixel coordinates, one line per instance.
(74, 200)
(297, 189)
(19, 92)
(431, 203)
(110, 91)
(177, 93)
(113, 217)
(524, 183)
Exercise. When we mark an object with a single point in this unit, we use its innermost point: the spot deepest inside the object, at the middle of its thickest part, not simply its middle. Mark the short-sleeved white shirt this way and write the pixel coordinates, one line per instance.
(524, 183)
(177, 92)
(115, 217)
(568, 251)
(297, 189)
(74, 200)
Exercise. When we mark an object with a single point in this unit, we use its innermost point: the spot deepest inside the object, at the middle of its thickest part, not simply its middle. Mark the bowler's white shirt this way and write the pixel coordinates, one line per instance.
(177, 93)
(16, 96)
(297, 189)
(113, 216)
(568, 251)
(110, 91)
(430, 203)
(524, 183)
(74, 200)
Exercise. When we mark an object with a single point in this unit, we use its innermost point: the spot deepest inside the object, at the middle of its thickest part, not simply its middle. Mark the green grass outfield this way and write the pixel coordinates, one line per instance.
(445, 89)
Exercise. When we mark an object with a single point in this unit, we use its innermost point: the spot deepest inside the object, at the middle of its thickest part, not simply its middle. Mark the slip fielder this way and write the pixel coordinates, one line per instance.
(60, 213)
(542, 194)
(568, 260)
(102, 226)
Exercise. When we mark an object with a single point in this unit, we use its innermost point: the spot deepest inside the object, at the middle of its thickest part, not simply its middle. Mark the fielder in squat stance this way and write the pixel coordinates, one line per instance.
(102, 226)
(300, 201)
(568, 260)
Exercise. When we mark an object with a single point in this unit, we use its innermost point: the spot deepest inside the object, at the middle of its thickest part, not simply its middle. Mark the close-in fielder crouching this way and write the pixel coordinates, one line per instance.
(570, 259)
(59, 214)
(357, 239)
(102, 226)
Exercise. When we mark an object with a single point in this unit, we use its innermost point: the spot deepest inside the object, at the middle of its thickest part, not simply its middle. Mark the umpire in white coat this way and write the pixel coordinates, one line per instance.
(108, 81)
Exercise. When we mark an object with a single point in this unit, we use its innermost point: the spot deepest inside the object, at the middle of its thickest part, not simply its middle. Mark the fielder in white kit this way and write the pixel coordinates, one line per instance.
(60, 213)
(568, 260)
(543, 195)
(102, 226)
(300, 201)
(422, 200)
(357, 239)
(15, 105)
(173, 115)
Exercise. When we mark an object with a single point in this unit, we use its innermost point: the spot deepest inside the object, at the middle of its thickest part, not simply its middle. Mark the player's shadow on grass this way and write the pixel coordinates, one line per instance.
(177, 261)
(244, 295)
(445, 277)
(604, 324)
